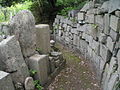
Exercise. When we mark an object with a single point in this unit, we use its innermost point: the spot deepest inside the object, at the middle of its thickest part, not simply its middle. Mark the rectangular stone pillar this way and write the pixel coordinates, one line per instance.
(39, 64)
(43, 38)
(6, 81)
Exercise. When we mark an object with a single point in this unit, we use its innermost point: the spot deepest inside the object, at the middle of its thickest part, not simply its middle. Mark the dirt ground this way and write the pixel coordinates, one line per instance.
(77, 74)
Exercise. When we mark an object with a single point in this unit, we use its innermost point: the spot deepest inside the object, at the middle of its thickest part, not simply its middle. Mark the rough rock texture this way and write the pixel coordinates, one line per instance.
(29, 83)
(11, 56)
(39, 64)
(6, 81)
(97, 39)
(23, 26)
(43, 38)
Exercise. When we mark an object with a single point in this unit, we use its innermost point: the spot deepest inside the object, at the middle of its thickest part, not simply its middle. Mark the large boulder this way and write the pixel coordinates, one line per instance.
(12, 60)
(23, 25)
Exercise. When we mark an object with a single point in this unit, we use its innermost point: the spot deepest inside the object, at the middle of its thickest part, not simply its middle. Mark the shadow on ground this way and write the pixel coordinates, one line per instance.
(77, 74)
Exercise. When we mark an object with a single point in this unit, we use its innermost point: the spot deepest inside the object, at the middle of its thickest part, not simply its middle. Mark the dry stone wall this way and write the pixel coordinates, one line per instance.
(95, 33)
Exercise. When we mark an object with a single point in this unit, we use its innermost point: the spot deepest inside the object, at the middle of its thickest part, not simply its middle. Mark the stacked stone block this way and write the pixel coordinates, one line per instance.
(97, 37)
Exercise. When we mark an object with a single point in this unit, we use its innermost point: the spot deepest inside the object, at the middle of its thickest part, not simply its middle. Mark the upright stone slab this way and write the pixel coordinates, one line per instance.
(39, 63)
(110, 44)
(105, 53)
(118, 57)
(102, 38)
(90, 18)
(29, 83)
(23, 25)
(11, 56)
(112, 82)
(115, 23)
(87, 6)
(114, 35)
(43, 38)
(81, 16)
(6, 81)
(99, 20)
(106, 24)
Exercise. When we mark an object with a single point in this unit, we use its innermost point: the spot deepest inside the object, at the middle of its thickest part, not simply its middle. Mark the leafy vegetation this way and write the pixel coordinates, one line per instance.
(32, 72)
(43, 10)
(36, 82)
(7, 12)
(68, 5)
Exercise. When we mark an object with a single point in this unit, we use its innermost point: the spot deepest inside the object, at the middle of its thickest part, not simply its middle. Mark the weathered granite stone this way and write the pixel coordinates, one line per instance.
(67, 39)
(23, 25)
(89, 52)
(102, 64)
(6, 81)
(57, 54)
(59, 16)
(29, 83)
(104, 76)
(81, 28)
(90, 41)
(10, 54)
(73, 13)
(84, 36)
(56, 21)
(90, 18)
(43, 38)
(112, 69)
(87, 37)
(114, 35)
(102, 38)
(74, 31)
(112, 82)
(110, 44)
(94, 32)
(83, 47)
(59, 33)
(6, 29)
(19, 86)
(81, 16)
(75, 39)
(87, 6)
(39, 64)
(118, 57)
(115, 23)
(99, 20)
(2, 37)
(65, 26)
(69, 22)
(96, 61)
(57, 63)
(117, 13)
(105, 7)
(52, 64)
(114, 5)
(106, 24)
(117, 47)
(96, 47)
(105, 53)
